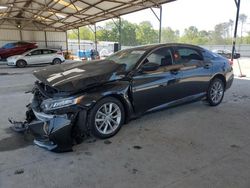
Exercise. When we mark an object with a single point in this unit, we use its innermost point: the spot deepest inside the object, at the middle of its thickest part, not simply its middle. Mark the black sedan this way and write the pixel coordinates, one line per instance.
(75, 101)
(227, 54)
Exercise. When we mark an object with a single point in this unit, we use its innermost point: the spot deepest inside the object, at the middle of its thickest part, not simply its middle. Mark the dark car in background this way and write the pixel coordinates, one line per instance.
(72, 101)
(15, 48)
(227, 54)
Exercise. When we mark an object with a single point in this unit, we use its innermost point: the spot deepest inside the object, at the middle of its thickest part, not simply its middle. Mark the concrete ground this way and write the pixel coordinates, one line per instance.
(189, 146)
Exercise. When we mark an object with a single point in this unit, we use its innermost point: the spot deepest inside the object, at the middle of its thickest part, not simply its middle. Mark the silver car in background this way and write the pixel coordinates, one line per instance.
(35, 57)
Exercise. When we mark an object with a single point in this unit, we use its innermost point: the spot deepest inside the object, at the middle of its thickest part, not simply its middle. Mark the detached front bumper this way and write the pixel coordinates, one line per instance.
(52, 132)
(56, 130)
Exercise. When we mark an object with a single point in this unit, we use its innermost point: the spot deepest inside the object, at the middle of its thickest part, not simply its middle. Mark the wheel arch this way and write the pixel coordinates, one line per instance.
(21, 60)
(126, 104)
(220, 76)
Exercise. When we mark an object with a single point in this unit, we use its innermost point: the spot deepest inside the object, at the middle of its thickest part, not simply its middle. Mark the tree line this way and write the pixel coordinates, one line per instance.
(143, 33)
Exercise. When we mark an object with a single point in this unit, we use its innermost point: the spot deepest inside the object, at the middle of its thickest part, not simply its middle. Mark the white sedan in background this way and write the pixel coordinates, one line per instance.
(35, 57)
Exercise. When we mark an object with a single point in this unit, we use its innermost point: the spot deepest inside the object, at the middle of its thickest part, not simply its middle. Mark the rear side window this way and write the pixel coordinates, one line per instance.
(209, 55)
(185, 55)
(49, 51)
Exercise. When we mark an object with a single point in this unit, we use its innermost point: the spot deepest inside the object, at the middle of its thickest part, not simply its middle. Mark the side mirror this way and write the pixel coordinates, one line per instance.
(29, 54)
(150, 67)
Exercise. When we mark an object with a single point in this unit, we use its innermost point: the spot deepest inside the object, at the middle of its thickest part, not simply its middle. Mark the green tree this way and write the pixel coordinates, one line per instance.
(217, 34)
(231, 26)
(243, 19)
(84, 32)
(247, 39)
(190, 35)
(145, 34)
(169, 35)
(110, 32)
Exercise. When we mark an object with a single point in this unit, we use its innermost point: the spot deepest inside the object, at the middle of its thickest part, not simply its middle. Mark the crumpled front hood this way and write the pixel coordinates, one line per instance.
(73, 77)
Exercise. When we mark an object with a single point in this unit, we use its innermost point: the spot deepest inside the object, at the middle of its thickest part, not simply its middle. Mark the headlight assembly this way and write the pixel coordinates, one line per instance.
(53, 104)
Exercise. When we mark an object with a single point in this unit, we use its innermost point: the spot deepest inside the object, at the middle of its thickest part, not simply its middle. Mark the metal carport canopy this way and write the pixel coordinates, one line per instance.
(62, 15)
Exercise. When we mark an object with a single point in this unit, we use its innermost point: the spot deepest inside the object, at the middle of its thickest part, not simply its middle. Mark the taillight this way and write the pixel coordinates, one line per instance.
(59, 53)
(230, 62)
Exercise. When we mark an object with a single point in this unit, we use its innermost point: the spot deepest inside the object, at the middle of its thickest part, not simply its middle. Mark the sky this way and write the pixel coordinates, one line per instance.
(204, 14)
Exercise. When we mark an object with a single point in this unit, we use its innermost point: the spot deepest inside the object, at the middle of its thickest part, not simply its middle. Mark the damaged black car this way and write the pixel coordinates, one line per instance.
(74, 101)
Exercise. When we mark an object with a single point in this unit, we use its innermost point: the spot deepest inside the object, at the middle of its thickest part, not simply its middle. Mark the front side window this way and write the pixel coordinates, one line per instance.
(185, 55)
(162, 57)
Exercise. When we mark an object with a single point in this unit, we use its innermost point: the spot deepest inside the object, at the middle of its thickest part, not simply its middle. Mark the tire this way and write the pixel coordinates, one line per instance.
(215, 92)
(101, 124)
(56, 61)
(21, 63)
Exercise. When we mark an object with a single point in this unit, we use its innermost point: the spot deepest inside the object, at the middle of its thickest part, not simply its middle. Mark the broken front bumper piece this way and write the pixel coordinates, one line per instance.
(52, 132)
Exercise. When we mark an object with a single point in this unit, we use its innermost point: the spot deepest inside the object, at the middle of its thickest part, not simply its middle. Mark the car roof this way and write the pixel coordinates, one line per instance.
(44, 49)
(154, 46)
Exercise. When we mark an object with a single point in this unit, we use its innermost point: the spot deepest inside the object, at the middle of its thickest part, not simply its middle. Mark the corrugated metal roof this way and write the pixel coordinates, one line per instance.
(68, 14)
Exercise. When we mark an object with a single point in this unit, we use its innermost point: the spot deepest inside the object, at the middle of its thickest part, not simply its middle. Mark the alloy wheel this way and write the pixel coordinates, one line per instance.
(56, 61)
(216, 92)
(108, 118)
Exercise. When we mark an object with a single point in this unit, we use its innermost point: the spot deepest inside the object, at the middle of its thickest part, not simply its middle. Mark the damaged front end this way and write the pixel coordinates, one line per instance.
(51, 117)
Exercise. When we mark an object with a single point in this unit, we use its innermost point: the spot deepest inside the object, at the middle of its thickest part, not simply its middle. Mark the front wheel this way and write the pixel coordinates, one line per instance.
(21, 63)
(106, 118)
(215, 92)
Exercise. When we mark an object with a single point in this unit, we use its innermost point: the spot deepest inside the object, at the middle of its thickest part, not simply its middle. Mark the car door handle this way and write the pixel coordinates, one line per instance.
(174, 72)
(164, 84)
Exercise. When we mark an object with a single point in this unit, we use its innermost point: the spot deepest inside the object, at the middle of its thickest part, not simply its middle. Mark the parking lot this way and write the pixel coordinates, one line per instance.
(192, 145)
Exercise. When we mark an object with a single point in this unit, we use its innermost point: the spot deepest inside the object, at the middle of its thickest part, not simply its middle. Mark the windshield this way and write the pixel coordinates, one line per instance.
(128, 57)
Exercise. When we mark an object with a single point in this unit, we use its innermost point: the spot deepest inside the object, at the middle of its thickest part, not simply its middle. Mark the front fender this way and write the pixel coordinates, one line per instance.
(118, 89)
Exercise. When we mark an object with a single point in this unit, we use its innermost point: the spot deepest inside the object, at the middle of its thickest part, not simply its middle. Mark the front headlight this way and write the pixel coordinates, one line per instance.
(53, 104)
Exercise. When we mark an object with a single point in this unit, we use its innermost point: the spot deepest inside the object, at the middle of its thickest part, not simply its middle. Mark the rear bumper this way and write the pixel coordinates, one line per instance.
(229, 80)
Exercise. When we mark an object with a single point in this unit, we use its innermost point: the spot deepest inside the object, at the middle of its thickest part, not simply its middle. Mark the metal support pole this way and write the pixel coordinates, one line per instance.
(95, 38)
(120, 33)
(160, 24)
(67, 44)
(237, 3)
(236, 27)
(20, 33)
(45, 37)
(159, 18)
(78, 33)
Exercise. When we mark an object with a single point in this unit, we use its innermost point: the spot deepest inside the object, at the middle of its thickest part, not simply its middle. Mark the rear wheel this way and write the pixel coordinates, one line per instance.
(215, 92)
(56, 61)
(21, 63)
(106, 118)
